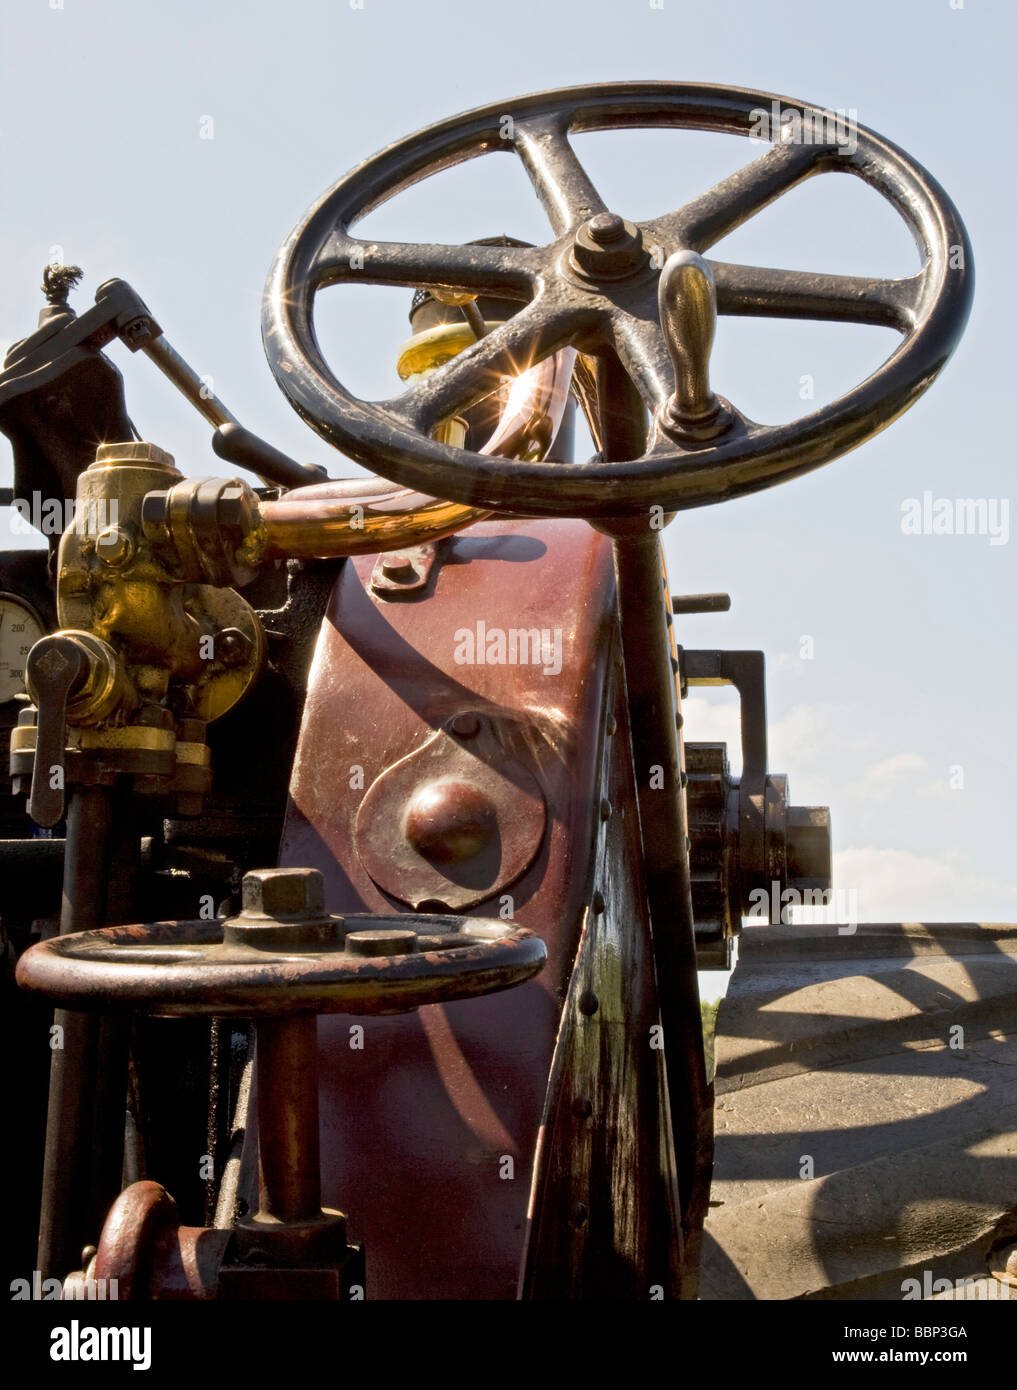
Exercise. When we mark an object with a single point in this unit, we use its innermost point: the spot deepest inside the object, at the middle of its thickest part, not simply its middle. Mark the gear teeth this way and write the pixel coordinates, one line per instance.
(708, 773)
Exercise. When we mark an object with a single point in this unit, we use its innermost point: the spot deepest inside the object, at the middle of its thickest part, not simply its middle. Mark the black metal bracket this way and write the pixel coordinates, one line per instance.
(66, 342)
(746, 671)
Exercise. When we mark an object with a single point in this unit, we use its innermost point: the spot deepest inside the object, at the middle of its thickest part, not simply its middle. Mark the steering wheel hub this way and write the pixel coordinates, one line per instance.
(607, 247)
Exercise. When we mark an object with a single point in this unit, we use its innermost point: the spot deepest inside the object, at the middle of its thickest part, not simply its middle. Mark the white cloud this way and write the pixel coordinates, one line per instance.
(896, 765)
(895, 885)
(713, 721)
(885, 777)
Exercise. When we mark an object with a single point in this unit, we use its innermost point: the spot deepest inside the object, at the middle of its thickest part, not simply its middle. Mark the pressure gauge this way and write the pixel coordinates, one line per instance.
(20, 628)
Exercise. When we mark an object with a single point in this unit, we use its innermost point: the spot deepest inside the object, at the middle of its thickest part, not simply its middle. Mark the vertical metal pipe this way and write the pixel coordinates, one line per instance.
(286, 1053)
(621, 410)
(83, 1161)
(109, 1117)
(64, 1224)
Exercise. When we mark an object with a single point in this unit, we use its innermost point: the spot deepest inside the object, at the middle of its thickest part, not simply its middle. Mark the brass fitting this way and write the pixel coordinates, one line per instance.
(117, 582)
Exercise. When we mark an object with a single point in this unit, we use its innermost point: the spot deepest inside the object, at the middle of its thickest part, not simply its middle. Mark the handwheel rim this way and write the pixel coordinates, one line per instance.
(932, 316)
(171, 969)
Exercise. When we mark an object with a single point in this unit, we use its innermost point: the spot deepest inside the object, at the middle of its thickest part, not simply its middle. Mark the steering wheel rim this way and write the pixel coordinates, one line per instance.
(929, 308)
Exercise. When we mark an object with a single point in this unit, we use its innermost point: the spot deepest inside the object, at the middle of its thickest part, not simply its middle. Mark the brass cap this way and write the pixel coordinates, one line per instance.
(133, 451)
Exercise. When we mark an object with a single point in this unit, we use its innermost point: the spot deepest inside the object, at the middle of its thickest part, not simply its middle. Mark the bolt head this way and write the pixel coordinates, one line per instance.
(233, 506)
(284, 893)
(381, 942)
(155, 516)
(606, 227)
(398, 567)
(234, 646)
(114, 545)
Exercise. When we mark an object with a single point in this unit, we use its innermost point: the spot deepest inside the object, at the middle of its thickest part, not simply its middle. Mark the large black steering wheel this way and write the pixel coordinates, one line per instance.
(606, 285)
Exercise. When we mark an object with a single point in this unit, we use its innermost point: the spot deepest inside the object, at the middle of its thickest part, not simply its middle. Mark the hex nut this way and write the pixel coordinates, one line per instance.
(284, 893)
(115, 545)
(809, 847)
(133, 451)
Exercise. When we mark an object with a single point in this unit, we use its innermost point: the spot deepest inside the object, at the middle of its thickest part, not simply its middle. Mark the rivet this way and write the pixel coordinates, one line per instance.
(465, 725)
(588, 1003)
(684, 778)
(605, 808)
(448, 822)
(612, 724)
(580, 1214)
(582, 1107)
(597, 902)
(399, 568)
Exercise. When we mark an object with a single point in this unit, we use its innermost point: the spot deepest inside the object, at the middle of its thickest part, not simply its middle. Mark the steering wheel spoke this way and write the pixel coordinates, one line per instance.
(642, 351)
(725, 206)
(344, 259)
(563, 186)
(529, 336)
(802, 294)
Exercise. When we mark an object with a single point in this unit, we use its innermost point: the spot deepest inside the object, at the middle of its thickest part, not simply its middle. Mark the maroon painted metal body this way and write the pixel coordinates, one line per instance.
(431, 1122)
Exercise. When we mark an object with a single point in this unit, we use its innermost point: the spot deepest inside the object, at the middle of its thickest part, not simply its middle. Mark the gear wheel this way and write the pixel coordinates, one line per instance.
(712, 799)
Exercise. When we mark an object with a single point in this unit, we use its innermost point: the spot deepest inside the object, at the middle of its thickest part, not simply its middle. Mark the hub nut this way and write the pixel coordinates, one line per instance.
(284, 909)
(284, 893)
(608, 247)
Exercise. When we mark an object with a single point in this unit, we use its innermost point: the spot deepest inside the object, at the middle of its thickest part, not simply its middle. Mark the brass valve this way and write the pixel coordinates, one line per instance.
(163, 607)
(71, 677)
(147, 654)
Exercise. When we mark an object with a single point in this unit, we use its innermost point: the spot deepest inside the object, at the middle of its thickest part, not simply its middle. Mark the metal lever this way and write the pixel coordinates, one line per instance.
(55, 667)
(231, 440)
(700, 603)
(687, 299)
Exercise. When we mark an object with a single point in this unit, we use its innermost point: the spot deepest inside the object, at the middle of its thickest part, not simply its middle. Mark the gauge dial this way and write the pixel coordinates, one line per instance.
(20, 628)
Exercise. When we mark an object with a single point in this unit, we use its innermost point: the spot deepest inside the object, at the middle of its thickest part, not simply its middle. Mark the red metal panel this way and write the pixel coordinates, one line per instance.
(418, 1123)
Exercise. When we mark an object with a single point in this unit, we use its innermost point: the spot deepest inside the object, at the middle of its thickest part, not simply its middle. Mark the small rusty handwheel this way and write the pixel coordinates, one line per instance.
(282, 960)
(606, 285)
(276, 962)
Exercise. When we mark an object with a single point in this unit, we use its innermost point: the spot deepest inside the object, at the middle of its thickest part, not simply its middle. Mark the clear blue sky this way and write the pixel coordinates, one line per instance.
(101, 111)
